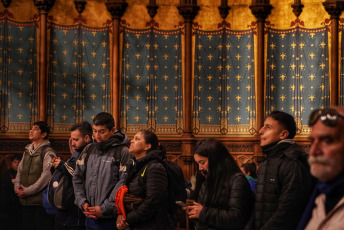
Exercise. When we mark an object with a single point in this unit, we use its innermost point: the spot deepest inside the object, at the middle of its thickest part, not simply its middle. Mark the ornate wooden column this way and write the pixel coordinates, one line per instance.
(43, 6)
(116, 9)
(297, 7)
(334, 9)
(80, 5)
(152, 8)
(188, 9)
(6, 3)
(260, 9)
(224, 9)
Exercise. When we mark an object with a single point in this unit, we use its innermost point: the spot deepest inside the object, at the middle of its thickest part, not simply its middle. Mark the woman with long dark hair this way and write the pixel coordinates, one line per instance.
(147, 179)
(225, 198)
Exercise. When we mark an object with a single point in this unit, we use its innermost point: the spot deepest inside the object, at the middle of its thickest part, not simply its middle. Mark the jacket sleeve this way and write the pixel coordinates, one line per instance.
(156, 189)
(295, 182)
(108, 207)
(78, 180)
(238, 210)
(20, 168)
(43, 180)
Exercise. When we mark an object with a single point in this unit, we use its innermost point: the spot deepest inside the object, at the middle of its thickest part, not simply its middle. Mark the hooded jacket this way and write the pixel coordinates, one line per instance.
(97, 177)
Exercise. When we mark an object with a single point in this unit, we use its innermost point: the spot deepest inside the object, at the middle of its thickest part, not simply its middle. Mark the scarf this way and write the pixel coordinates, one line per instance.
(116, 139)
(320, 188)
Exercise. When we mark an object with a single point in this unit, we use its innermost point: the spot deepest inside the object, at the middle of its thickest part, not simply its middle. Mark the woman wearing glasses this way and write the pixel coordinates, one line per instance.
(225, 199)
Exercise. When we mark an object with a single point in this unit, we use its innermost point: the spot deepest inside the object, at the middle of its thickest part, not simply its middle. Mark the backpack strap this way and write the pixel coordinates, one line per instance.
(44, 150)
(118, 154)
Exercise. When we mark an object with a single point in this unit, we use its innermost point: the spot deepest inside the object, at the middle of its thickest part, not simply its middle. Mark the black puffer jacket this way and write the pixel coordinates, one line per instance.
(153, 213)
(232, 208)
(284, 185)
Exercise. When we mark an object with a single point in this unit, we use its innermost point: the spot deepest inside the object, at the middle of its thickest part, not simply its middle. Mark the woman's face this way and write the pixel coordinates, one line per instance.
(201, 161)
(138, 145)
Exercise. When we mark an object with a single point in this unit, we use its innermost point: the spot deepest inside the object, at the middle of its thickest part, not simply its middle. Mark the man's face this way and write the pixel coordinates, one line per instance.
(101, 133)
(326, 156)
(78, 141)
(271, 132)
(35, 134)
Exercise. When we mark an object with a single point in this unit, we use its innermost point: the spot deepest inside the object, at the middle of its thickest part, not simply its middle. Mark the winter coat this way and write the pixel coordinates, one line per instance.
(322, 221)
(153, 213)
(284, 185)
(231, 209)
(72, 215)
(97, 177)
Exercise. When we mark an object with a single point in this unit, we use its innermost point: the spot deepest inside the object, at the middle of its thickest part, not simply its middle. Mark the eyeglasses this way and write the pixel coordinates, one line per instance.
(328, 117)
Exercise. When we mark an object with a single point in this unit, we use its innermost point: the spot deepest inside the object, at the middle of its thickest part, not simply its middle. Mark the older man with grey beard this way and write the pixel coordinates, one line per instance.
(325, 209)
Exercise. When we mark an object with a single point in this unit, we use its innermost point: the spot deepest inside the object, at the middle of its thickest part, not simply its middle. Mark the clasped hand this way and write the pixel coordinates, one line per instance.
(92, 212)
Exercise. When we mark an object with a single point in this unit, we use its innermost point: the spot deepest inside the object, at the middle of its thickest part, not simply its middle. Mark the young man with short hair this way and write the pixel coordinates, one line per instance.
(283, 179)
(33, 176)
(70, 217)
(100, 171)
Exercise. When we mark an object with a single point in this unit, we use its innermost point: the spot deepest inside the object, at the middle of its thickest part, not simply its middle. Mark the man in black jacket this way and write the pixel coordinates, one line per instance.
(284, 183)
(71, 217)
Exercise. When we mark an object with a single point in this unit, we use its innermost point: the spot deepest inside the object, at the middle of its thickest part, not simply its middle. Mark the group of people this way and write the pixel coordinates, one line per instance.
(292, 189)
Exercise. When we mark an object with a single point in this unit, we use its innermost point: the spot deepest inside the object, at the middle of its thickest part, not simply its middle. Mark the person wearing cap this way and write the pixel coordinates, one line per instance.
(325, 208)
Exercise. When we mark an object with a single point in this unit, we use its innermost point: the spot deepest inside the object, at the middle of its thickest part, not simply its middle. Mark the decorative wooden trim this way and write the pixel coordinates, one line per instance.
(261, 10)
(334, 8)
(6, 3)
(116, 9)
(152, 8)
(224, 9)
(43, 6)
(79, 5)
(297, 7)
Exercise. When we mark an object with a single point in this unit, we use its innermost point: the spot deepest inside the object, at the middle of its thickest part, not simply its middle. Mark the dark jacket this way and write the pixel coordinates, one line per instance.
(71, 216)
(232, 208)
(283, 187)
(153, 213)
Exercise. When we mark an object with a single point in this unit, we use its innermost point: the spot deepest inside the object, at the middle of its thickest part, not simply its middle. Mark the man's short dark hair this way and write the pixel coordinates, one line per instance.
(105, 119)
(84, 128)
(286, 120)
(44, 127)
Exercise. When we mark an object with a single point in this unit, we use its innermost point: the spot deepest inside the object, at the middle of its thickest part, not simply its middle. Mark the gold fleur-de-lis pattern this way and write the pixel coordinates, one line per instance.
(79, 79)
(18, 75)
(151, 81)
(224, 83)
(297, 78)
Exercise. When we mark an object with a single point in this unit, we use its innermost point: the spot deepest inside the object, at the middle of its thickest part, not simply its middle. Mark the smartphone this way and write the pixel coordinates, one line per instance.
(181, 203)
